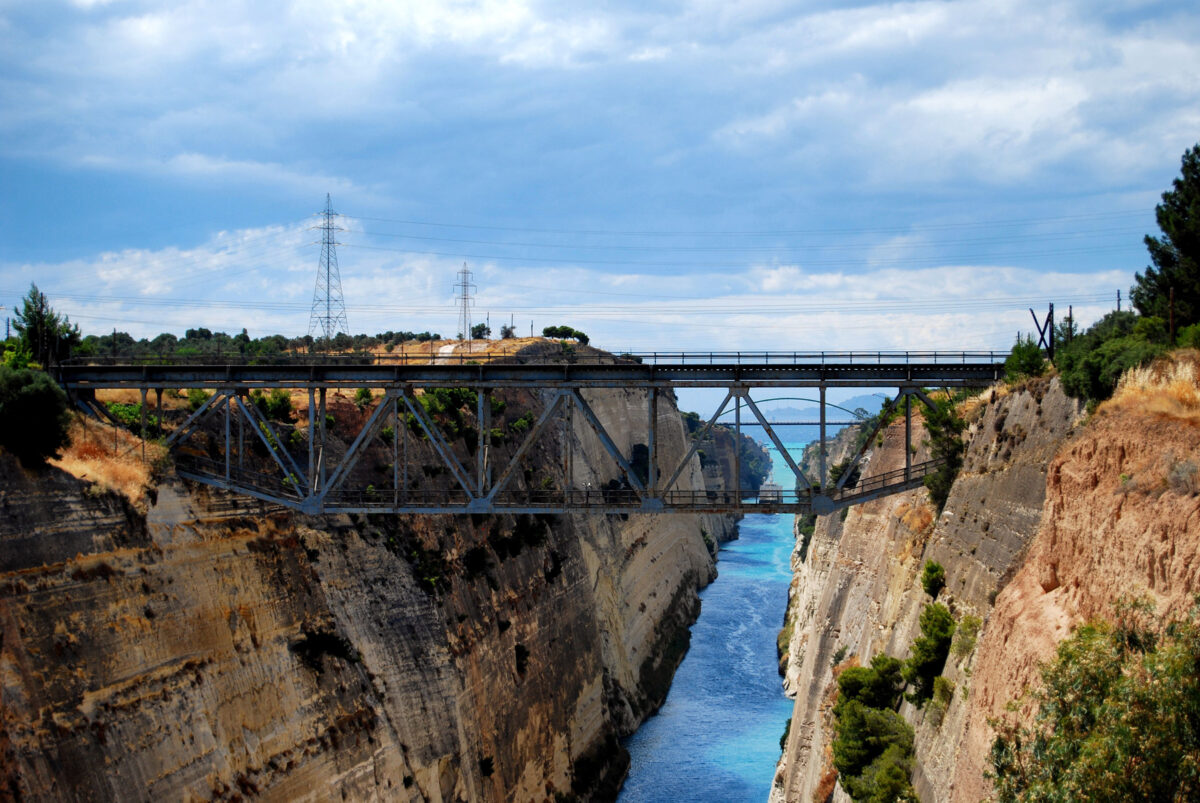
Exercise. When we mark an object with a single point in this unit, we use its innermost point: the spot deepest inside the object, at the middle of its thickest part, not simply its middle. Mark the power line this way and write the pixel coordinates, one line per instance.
(765, 233)
(908, 261)
(1043, 237)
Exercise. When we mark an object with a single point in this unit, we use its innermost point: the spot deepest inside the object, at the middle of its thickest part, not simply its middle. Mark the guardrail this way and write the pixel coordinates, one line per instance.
(779, 358)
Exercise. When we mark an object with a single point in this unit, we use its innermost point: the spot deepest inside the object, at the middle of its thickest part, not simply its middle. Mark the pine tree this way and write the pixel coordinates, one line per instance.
(48, 336)
(1176, 255)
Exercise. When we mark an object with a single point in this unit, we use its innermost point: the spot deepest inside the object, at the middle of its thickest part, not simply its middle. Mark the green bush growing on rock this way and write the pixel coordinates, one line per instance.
(276, 405)
(33, 415)
(130, 416)
(933, 578)
(1090, 365)
(965, 635)
(929, 651)
(872, 745)
(1118, 719)
(1025, 359)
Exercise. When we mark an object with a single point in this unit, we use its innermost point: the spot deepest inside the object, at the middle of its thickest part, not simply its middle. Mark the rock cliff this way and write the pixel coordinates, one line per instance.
(202, 646)
(857, 590)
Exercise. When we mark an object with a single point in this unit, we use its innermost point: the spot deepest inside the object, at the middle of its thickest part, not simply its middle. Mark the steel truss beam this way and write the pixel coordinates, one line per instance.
(318, 486)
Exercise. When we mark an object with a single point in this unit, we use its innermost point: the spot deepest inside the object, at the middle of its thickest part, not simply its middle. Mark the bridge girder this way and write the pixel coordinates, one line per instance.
(312, 489)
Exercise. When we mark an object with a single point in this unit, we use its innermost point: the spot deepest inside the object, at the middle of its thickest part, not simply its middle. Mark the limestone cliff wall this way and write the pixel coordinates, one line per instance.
(211, 647)
(857, 589)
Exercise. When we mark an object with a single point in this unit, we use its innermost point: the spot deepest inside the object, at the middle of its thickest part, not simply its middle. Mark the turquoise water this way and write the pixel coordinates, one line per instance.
(716, 738)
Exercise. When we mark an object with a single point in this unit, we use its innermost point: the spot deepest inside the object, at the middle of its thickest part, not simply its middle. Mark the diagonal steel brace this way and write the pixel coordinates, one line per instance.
(355, 451)
(536, 431)
(609, 446)
(439, 443)
(774, 439)
(695, 445)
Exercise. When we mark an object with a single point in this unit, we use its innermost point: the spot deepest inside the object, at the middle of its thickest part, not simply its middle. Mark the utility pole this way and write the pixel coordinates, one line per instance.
(1118, 301)
(328, 315)
(464, 288)
(1171, 316)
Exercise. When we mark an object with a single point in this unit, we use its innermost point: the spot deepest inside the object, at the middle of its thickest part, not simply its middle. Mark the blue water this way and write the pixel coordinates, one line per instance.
(716, 738)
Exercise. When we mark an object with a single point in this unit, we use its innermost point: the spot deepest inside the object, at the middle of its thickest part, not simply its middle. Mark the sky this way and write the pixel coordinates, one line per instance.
(755, 175)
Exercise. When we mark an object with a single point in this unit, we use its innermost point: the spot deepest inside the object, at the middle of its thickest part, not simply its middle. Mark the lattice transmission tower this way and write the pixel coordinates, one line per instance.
(464, 288)
(328, 308)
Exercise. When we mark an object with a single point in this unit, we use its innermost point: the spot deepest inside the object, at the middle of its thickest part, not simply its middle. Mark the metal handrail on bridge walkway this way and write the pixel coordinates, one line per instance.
(485, 480)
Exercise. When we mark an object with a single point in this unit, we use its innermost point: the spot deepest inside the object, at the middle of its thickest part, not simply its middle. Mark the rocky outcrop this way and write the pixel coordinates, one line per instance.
(857, 591)
(213, 647)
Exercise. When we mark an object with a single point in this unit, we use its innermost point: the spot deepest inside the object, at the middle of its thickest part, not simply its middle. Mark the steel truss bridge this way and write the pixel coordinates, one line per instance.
(483, 483)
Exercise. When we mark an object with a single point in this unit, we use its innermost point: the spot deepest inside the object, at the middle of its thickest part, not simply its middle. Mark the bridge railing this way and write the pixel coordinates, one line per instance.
(706, 358)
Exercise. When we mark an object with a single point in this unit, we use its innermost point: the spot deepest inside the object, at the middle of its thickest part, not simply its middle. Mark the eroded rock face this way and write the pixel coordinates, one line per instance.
(1115, 524)
(214, 648)
(857, 591)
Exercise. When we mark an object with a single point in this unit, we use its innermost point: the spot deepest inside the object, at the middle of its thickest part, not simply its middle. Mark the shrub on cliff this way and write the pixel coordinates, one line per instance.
(1118, 719)
(933, 578)
(1025, 359)
(872, 745)
(33, 415)
(929, 651)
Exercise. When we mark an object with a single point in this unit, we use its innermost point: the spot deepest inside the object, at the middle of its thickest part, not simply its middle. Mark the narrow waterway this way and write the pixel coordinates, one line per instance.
(716, 738)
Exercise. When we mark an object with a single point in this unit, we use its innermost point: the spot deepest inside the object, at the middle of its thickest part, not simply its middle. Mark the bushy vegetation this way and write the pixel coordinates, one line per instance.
(929, 651)
(872, 745)
(933, 578)
(566, 333)
(130, 416)
(276, 405)
(1118, 717)
(964, 636)
(33, 415)
(1025, 359)
(1090, 365)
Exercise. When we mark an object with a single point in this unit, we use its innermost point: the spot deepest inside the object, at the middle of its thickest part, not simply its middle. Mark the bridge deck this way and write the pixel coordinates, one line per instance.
(678, 370)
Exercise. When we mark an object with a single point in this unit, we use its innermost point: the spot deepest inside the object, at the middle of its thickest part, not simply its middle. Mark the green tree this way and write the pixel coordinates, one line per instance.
(481, 331)
(929, 651)
(933, 578)
(1176, 254)
(48, 336)
(33, 415)
(1025, 359)
(872, 752)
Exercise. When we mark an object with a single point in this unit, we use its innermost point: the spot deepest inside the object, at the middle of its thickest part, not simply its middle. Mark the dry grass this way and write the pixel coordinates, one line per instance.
(1169, 386)
(110, 459)
(972, 408)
